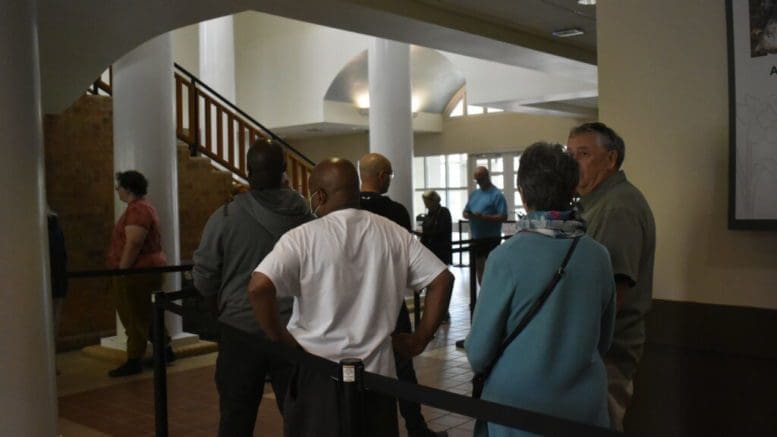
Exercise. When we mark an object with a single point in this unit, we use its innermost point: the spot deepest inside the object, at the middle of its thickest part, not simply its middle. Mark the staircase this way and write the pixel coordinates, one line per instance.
(214, 127)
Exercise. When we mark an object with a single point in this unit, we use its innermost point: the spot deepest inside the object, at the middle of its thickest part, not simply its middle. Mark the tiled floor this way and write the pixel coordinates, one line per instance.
(91, 404)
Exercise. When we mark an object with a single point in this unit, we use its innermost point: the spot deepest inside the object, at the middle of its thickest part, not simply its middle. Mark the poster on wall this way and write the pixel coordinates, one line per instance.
(752, 55)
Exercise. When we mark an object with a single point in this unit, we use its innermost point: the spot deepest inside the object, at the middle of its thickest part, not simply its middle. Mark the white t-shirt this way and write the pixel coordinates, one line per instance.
(348, 272)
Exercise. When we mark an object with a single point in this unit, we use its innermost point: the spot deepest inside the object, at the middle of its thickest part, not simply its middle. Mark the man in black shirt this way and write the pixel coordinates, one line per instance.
(376, 174)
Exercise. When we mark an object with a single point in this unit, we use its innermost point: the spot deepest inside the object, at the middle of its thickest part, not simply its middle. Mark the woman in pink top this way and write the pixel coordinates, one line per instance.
(135, 243)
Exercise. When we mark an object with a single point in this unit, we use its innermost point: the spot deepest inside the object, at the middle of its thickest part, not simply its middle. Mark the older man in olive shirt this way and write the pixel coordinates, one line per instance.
(619, 217)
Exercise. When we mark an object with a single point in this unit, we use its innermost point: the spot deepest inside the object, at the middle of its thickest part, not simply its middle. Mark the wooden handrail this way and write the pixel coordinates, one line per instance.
(215, 127)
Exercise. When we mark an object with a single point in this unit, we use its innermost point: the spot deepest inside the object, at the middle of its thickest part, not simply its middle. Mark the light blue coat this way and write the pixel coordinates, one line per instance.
(554, 366)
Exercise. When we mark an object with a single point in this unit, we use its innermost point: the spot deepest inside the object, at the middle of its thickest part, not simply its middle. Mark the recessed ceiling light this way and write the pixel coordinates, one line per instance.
(566, 33)
(586, 2)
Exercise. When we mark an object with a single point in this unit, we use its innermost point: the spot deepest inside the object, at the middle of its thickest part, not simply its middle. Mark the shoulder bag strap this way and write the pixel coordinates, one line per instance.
(535, 308)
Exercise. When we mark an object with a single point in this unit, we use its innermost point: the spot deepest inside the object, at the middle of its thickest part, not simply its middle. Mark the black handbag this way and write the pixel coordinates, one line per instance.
(479, 379)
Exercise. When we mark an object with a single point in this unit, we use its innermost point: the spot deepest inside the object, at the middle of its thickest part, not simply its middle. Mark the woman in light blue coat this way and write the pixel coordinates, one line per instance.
(554, 366)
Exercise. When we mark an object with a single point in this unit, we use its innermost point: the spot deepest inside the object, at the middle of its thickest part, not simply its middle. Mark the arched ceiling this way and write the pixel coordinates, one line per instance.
(434, 80)
(78, 40)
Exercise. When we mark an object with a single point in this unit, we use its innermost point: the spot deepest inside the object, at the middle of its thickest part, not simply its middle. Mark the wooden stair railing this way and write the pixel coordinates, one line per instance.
(215, 127)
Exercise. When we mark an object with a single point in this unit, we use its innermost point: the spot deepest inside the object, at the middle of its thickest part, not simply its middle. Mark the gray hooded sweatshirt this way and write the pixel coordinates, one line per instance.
(235, 240)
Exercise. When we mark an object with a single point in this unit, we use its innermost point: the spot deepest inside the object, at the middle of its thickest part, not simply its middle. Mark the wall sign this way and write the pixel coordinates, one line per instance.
(752, 59)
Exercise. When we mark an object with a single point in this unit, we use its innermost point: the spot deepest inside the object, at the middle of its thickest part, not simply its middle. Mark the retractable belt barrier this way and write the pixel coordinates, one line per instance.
(125, 272)
(353, 379)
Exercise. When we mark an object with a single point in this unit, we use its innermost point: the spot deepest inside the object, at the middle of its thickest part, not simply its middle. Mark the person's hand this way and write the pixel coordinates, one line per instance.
(289, 340)
(406, 345)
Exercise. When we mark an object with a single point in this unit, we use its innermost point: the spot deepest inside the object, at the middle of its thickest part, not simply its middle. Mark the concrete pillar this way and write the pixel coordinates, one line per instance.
(217, 55)
(144, 140)
(391, 117)
(28, 401)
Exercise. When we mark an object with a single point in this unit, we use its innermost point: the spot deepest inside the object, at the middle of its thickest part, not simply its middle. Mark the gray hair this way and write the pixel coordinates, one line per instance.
(608, 138)
(547, 177)
(432, 195)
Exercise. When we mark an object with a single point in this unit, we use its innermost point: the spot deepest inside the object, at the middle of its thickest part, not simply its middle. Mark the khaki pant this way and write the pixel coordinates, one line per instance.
(133, 303)
(620, 390)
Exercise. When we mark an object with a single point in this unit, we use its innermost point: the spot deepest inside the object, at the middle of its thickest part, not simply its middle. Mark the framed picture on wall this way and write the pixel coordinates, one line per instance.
(752, 56)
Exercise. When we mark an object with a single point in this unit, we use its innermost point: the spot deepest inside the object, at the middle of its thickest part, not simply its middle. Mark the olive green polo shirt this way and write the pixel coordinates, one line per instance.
(618, 216)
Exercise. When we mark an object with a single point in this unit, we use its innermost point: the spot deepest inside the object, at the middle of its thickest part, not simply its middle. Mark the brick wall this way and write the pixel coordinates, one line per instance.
(201, 190)
(79, 185)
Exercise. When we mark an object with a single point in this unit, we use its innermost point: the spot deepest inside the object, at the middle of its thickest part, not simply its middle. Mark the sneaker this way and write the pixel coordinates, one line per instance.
(130, 367)
(460, 344)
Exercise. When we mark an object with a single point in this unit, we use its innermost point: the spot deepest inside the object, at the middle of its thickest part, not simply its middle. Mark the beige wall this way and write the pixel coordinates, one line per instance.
(186, 48)
(350, 147)
(663, 85)
(493, 132)
(475, 134)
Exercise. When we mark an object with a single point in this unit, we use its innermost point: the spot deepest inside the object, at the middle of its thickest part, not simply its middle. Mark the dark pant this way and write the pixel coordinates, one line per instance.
(314, 408)
(240, 371)
(133, 303)
(411, 412)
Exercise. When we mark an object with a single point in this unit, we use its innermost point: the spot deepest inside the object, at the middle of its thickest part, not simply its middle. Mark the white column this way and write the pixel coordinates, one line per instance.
(217, 55)
(144, 140)
(28, 403)
(391, 117)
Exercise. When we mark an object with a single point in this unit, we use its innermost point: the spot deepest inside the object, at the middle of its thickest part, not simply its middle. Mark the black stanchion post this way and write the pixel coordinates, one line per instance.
(160, 366)
(351, 382)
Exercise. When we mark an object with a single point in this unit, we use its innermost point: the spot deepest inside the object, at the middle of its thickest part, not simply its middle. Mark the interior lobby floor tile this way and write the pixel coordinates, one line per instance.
(92, 404)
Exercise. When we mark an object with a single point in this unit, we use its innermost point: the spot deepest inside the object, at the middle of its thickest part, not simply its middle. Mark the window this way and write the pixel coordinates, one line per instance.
(446, 174)
(458, 110)
(475, 110)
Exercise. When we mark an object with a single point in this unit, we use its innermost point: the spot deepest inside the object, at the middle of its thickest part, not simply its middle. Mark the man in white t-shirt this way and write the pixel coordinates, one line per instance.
(348, 272)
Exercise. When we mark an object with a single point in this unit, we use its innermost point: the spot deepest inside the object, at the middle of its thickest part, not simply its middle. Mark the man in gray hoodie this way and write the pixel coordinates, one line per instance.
(235, 240)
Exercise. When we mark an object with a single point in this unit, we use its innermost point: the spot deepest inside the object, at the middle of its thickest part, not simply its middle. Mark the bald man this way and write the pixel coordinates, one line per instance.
(376, 174)
(486, 210)
(236, 238)
(347, 299)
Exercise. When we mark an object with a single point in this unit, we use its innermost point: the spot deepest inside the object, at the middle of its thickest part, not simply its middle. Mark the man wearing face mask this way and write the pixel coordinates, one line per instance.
(236, 238)
(348, 272)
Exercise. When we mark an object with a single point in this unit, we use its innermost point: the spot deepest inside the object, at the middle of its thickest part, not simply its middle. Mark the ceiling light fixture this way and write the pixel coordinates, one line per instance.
(566, 33)
(587, 2)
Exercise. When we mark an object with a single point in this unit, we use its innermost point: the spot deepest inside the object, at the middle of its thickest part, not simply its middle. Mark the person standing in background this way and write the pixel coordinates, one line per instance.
(486, 210)
(376, 174)
(235, 240)
(617, 216)
(437, 227)
(136, 243)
